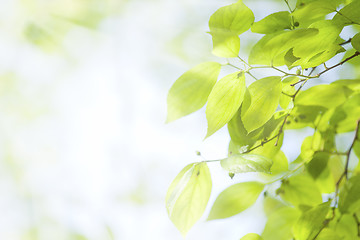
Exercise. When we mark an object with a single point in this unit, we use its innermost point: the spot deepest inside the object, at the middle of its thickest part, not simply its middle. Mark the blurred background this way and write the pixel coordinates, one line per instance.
(84, 151)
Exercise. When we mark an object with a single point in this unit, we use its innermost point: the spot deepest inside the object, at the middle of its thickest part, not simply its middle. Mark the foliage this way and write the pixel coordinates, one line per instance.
(318, 193)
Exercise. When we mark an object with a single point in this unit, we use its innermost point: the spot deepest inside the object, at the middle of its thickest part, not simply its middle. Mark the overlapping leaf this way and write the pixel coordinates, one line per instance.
(263, 101)
(190, 92)
(241, 163)
(235, 199)
(224, 101)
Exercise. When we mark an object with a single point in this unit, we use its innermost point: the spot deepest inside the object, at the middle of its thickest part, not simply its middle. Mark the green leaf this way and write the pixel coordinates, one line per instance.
(308, 12)
(280, 163)
(311, 222)
(225, 44)
(224, 101)
(235, 199)
(280, 223)
(328, 96)
(325, 40)
(188, 195)
(235, 18)
(252, 236)
(242, 163)
(300, 190)
(348, 14)
(328, 234)
(303, 116)
(271, 205)
(226, 24)
(271, 49)
(273, 23)
(355, 42)
(349, 198)
(346, 227)
(264, 99)
(346, 116)
(353, 84)
(190, 92)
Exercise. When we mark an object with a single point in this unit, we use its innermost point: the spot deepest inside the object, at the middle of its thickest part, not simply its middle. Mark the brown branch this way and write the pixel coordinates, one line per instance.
(345, 173)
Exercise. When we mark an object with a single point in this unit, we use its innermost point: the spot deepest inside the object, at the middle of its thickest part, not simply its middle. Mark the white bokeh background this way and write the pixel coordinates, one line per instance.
(84, 151)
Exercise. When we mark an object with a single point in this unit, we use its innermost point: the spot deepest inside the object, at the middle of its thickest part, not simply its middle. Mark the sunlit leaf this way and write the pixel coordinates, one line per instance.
(224, 101)
(279, 224)
(311, 222)
(348, 14)
(328, 96)
(235, 18)
(346, 116)
(241, 163)
(264, 99)
(225, 44)
(323, 41)
(188, 195)
(274, 22)
(252, 236)
(300, 190)
(190, 92)
(349, 199)
(272, 48)
(235, 199)
(355, 42)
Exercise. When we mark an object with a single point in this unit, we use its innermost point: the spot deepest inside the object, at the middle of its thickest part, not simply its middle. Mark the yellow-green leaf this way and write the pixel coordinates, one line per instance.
(280, 223)
(235, 199)
(274, 22)
(241, 163)
(190, 92)
(349, 199)
(264, 99)
(224, 101)
(311, 222)
(252, 236)
(329, 96)
(300, 190)
(188, 196)
(225, 44)
(355, 42)
(235, 18)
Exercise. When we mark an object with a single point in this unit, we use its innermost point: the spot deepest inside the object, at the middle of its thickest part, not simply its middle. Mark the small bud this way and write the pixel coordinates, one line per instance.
(296, 24)
(298, 72)
(231, 175)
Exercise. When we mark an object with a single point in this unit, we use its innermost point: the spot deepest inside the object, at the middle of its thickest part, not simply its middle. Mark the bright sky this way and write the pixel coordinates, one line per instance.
(84, 148)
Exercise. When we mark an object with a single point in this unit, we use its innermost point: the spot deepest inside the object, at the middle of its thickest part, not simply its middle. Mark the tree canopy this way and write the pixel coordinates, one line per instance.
(317, 194)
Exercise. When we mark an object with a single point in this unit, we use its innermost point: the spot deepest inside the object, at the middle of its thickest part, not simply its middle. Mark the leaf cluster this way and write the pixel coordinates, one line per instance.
(316, 195)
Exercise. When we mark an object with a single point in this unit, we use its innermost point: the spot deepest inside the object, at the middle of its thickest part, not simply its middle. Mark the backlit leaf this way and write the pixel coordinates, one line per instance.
(349, 198)
(328, 96)
(190, 92)
(224, 101)
(252, 236)
(274, 22)
(355, 42)
(235, 18)
(300, 190)
(272, 48)
(225, 44)
(348, 14)
(241, 163)
(235, 199)
(279, 224)
(264, 99)
(311, 222)
(188, 195)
